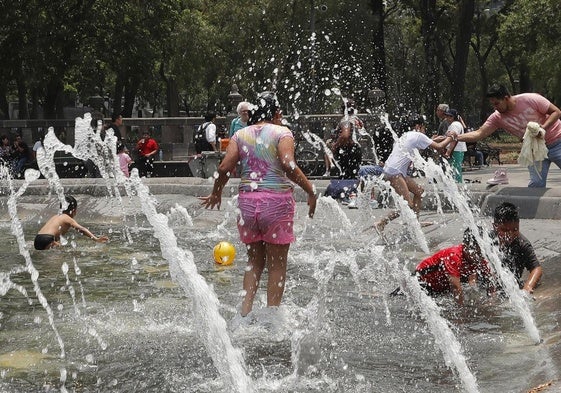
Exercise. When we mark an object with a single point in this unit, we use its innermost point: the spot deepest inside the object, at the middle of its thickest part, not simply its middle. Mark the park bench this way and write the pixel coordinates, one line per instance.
(489, 154)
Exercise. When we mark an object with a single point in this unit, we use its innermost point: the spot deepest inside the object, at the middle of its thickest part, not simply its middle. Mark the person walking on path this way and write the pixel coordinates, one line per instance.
(205, 136)
(513, 113)
(266, 203)
(116, 123)
(444, 123)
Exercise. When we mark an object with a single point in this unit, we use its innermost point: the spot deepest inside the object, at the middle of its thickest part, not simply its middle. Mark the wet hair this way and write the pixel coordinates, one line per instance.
(506, 212)
(265, 109)
(469, 238)
(72, 204)
(497, 91)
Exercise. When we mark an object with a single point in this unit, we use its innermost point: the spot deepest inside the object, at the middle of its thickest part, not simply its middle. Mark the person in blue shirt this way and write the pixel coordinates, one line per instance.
(243, 109)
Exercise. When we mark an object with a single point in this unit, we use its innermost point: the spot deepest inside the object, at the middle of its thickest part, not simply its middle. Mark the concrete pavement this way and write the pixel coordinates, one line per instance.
(543, 203)
(533, 203)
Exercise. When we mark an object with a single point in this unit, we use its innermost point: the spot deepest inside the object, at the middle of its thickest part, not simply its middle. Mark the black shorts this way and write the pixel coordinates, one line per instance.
(42, 241)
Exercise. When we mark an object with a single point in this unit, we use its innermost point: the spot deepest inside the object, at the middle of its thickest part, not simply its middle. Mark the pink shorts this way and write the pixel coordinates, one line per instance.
(266, 216)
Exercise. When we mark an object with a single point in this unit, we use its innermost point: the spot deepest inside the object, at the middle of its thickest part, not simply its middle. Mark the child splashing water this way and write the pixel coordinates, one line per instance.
(395, 170)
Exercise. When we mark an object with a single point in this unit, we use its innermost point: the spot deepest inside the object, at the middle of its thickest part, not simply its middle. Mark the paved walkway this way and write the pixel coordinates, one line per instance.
(544, 203)
(517, 175)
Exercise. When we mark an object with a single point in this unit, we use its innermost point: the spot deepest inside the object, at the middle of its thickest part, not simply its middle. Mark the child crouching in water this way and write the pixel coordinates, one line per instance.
(49, 234)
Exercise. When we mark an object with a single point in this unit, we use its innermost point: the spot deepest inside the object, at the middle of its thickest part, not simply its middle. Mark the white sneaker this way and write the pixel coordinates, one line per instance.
(352, 202)
(499, 177)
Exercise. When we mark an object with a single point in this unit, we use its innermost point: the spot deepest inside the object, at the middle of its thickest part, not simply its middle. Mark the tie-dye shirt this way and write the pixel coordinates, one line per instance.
(261, 166)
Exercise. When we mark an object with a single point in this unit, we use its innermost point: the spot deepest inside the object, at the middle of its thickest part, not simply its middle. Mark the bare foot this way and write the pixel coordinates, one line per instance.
(380, 225)
(426, 223)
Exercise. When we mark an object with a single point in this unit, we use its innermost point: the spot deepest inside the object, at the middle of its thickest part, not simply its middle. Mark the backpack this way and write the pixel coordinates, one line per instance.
(199, 138)
(200, 132)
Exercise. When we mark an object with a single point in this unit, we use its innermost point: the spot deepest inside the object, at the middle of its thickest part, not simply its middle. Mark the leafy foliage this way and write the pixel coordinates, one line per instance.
(182, 56)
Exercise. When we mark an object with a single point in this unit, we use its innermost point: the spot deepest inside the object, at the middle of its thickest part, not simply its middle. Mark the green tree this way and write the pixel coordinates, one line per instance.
(528, 40)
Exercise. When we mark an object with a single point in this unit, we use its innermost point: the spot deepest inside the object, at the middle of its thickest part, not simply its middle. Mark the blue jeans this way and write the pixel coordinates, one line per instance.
(366, 171)
(539, 179)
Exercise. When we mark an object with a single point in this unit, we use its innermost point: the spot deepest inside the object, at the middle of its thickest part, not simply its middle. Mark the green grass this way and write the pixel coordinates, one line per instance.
(501, 136)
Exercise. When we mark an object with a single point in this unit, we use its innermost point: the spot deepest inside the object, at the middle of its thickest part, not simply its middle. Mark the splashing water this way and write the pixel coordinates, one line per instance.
(17, 230)
(467, 211)
(305, 351)
(212, 327)
(453, 194)
(306, 347)
(361, 131)
(445, 339)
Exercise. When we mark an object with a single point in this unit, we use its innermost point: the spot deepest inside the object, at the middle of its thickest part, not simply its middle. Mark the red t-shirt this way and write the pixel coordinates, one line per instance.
(148, 146)
(435, 269)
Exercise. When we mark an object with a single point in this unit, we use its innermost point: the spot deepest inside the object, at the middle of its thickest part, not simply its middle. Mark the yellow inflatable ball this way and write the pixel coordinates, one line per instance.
(224, 253)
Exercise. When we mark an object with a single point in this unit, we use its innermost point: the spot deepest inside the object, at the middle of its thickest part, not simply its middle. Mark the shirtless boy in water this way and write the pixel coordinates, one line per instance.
(49, 235)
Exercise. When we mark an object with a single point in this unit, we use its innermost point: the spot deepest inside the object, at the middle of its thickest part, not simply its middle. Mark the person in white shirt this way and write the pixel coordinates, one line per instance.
(395, 170)
(455, 150)
(205, 137)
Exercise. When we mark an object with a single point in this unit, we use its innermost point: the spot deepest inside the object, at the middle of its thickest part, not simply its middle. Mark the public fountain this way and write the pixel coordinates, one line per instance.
(153, 309)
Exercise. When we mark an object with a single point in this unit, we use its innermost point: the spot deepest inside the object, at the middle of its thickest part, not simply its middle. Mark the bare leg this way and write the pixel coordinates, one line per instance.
(276, 266)
(255, 264)
(417, 191)
(327, 161)
(399, 184)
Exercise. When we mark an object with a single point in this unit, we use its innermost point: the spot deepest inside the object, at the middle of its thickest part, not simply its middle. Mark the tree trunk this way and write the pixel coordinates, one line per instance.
(22, 97)
(524, 78)
(53, 98)
(131, 88)
(117, 95)
(172, 93)
(465, 28)
(378, 46)
(4, 105)
(428, 24)
(172, 98)
(35, 105)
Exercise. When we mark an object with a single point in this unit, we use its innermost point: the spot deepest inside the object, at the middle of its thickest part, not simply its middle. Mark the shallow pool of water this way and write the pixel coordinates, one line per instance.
(127, 327)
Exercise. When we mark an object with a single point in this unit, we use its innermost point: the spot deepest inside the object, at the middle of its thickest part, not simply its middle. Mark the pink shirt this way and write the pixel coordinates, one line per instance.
(124, 161)
(528, 107)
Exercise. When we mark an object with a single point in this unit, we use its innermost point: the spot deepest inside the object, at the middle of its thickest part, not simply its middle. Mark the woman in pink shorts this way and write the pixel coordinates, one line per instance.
(266, 152)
